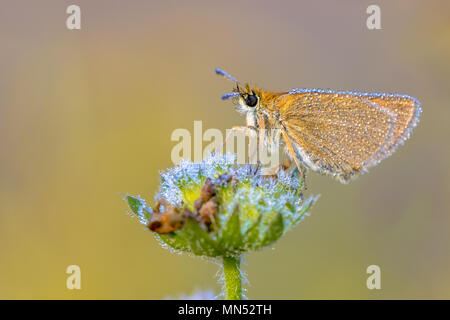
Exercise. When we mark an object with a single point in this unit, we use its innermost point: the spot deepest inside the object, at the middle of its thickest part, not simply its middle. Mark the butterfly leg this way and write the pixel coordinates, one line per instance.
(251, 132)
(292, 153)
(229, 134)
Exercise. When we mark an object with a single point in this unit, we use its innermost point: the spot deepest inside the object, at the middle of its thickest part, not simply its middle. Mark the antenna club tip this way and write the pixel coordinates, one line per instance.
(230, 95)
(225, 74)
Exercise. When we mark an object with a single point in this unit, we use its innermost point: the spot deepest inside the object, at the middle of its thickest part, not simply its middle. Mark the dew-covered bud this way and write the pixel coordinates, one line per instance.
(218, 208)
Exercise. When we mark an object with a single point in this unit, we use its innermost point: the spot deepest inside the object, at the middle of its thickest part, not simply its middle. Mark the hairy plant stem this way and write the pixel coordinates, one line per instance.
(233, 278)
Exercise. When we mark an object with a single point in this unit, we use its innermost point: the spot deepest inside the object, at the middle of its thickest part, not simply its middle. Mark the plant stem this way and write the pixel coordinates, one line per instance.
(233, 278)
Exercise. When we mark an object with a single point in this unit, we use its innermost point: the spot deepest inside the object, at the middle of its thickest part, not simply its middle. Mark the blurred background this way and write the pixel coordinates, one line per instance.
(86, 117)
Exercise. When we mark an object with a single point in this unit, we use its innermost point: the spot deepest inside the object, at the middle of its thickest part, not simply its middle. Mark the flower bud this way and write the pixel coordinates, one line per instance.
(220, 208)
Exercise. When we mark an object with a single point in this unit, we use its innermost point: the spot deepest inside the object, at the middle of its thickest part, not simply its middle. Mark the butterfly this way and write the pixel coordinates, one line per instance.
(337, 133)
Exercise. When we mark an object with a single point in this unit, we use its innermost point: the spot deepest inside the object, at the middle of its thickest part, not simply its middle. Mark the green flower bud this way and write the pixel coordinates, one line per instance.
(218, 208)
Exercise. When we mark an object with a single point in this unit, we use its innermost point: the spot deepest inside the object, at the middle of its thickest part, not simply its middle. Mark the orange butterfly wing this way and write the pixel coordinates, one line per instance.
(344, 133)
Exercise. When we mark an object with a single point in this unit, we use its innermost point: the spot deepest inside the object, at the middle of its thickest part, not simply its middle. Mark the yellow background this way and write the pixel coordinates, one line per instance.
(86, 117)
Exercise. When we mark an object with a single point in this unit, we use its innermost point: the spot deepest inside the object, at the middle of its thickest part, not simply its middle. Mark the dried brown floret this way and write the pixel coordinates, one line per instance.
(171, 219)
(208, 190)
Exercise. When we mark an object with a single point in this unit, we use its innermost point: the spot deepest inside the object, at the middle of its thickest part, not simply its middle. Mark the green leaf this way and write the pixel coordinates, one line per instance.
(304, 210)
(175, 240)
(200, 242)
(274, 231)
(231, 237)
(252, 234)
(137, 205)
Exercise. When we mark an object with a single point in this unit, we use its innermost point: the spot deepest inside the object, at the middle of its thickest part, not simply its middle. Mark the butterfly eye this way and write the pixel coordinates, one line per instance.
(251, 100)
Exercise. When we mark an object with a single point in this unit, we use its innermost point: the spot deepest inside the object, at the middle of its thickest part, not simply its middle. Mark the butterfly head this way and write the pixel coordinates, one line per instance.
(246, 98)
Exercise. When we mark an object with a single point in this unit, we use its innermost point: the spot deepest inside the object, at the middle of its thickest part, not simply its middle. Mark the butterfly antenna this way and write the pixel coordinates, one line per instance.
(230, 95)
(226, 75)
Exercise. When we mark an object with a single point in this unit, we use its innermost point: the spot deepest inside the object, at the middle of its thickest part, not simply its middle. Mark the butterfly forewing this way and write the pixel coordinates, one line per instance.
(343, 133)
